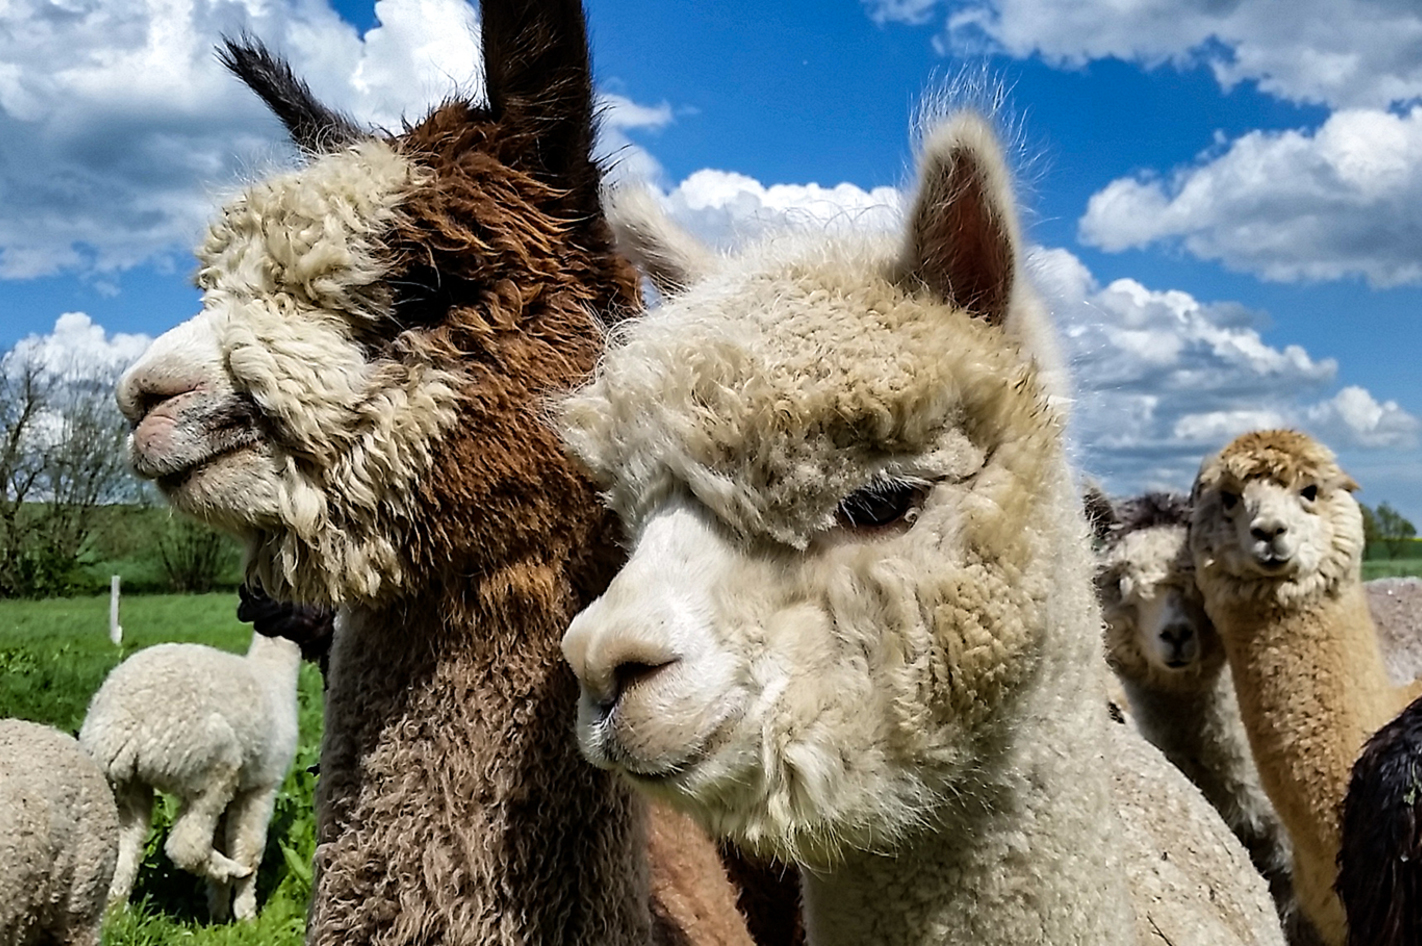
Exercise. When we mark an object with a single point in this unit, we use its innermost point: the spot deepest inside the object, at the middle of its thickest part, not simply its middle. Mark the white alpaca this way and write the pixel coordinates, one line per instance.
(857, 629)
(217, 730)
(58, 839)
(1277, 540)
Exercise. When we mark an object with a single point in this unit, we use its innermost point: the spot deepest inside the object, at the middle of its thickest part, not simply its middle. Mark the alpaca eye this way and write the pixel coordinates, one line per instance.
(1309, 492)
(880, 504)
(1228, 498)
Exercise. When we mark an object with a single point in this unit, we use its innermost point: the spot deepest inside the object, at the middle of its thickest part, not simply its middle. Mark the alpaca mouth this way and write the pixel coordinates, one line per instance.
(187, 433)
(665, 768)
(1272, 564)
(174, 482)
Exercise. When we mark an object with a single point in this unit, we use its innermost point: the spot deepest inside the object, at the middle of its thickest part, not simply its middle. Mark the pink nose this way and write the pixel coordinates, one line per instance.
(145, 386)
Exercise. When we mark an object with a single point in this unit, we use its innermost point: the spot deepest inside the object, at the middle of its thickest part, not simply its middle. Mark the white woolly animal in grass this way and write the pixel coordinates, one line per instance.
(857, 628)
(1277, 541)
(215, 729)
(58, 839)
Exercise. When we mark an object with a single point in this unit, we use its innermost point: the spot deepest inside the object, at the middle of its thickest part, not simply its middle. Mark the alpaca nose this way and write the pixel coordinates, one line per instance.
(1267, 530)
(610, 661)
(182, 360)
(1181, 641)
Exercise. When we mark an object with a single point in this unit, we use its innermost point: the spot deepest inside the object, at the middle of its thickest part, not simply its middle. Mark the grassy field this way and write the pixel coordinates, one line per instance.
(54, 654)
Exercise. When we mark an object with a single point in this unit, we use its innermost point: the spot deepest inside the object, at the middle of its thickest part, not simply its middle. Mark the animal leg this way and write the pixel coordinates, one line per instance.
(247, 819)
(219, 893)
(190, 842)
(135, 811)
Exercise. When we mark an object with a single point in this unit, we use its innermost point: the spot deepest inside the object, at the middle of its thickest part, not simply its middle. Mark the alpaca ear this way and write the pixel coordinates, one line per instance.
(669, 256)
(539, 81)
(1100, 513)
(314, 128)
(962, 237)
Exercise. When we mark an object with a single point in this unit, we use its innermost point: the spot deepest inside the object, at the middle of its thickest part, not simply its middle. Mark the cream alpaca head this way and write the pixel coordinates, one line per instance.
(1157, 632)
(842, 481)
(1274, 519)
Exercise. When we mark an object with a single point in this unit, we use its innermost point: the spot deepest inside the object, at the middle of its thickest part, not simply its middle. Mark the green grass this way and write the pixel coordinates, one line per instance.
(1391, 568)
(53, 656)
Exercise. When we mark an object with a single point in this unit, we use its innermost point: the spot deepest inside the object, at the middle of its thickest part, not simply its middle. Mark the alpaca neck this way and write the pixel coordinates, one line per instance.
(1311, 687)
(1023, 851)
(449, 768)
(279, 663)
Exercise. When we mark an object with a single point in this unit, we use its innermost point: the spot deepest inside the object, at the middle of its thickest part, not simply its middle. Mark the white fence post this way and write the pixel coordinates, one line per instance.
(115, 629)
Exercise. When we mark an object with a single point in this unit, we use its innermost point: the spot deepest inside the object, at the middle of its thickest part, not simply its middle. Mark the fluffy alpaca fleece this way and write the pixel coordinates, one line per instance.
(361, 401)
(218, 731)
(1380, 861)
(58, 839)
(1171, 664)
(857, 628)
(1277, 542)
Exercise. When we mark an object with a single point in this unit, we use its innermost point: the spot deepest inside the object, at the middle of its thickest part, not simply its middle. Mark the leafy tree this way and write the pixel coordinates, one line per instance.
(1394, 532)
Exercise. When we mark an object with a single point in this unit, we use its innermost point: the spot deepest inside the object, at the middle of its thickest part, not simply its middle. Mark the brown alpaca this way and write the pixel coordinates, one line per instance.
(361, 401)
(1277, 540)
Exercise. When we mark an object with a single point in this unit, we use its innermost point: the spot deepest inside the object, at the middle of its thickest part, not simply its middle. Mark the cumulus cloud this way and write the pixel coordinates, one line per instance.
(1338, 52)
(1291, 205)
(119, 129)
(1163, 378)
(77, 350)
(725, 208)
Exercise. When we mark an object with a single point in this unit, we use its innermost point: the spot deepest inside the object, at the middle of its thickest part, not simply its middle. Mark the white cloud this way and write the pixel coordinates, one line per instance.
(1353, 415)
(1163, 378)
(118, 126)
(78, 349)
(1337, 52)
(725, 208)
(1292, 205)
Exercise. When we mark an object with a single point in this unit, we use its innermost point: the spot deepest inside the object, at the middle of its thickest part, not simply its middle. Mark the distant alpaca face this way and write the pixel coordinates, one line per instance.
(1156, 627)
(835, 481)
(1273, 506)
(367, 320)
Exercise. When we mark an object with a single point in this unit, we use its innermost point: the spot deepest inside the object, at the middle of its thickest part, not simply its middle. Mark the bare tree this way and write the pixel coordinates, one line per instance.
(61, 459)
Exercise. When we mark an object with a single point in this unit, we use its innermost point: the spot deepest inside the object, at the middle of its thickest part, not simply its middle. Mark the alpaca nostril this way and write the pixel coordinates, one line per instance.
(1177, 635)
(627, 675)
(1264, 533)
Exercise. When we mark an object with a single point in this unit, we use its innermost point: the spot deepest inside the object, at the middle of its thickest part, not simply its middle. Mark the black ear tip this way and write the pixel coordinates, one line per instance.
(312, 126)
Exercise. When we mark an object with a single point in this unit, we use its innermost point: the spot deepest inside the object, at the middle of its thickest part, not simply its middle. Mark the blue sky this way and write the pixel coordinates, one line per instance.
(1220, 199)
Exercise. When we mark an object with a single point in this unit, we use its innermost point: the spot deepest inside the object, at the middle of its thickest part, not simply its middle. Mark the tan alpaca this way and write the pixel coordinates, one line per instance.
(857, 629)
(1277, 541)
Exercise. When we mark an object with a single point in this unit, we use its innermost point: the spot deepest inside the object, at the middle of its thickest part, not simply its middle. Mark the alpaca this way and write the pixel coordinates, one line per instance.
(218, 731)
(360, 401)
(1171, 665)
(856, 630)
(1277, 540)
(1380, 856)
(58, 838)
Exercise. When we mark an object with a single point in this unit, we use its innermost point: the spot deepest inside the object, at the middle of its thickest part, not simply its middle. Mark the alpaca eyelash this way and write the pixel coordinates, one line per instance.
(882, 503)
